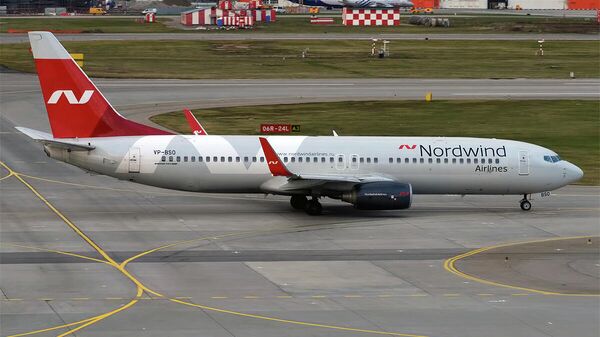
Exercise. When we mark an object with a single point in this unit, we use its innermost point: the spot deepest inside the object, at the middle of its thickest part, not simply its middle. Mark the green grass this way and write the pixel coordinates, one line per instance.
(477, 24)
(327, 59)
(292, 24)
(95, 25)
(569, 127)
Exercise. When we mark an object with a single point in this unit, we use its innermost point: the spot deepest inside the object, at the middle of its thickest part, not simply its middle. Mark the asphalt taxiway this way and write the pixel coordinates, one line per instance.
(110, 258)
(22, 38)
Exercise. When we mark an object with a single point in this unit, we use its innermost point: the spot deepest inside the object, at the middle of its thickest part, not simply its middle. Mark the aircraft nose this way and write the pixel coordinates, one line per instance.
(573, 173)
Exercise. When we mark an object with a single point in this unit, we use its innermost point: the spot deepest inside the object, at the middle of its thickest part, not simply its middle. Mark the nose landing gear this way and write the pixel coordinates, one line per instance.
(525, 203)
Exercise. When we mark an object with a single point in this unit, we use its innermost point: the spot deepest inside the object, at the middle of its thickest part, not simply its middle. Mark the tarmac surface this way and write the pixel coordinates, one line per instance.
(120, 259)
(215, 36)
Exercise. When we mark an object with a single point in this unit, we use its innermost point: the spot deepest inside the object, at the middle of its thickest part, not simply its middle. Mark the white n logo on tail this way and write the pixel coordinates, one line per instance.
(71, 96)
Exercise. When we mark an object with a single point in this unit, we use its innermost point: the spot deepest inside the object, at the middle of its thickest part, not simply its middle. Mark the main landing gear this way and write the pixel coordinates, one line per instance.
(311, 207)
(525, 204)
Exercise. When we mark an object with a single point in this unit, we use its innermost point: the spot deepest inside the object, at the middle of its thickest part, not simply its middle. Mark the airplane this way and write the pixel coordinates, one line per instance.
(356, 3)
(372, 173)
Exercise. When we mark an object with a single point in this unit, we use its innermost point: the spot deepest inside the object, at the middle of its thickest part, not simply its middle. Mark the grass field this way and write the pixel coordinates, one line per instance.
(326, 59)
(569, 127)
(291, 24)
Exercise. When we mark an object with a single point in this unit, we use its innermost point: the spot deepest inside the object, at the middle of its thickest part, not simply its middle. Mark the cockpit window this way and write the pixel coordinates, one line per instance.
(552, 159)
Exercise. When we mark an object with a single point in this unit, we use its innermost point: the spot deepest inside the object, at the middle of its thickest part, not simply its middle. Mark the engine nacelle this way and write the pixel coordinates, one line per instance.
(380, 196)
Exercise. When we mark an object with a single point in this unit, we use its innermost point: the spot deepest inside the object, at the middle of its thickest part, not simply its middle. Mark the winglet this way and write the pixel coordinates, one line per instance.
(276, 166)
(196, 127)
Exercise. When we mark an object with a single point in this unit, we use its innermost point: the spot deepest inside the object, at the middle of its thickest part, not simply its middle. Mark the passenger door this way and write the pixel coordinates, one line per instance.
(354, 162)
(134, 160)
(523, 163)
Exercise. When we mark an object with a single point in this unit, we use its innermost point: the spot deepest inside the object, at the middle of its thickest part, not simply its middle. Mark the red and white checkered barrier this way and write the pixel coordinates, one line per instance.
(371, 17)
(205, 17)
(239, 21)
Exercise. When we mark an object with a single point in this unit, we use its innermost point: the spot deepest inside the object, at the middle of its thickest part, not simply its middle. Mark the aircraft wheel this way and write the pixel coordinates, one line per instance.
(298, 201)
(525, 205)
(313, 207)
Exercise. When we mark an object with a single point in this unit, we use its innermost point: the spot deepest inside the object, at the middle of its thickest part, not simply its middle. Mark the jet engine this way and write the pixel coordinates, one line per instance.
(380, 196)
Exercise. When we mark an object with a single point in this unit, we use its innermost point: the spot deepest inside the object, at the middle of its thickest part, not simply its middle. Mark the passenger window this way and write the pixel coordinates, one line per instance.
(254, 159)
(453, 160)
(178, 159)
(316, 159)
(376, 160)
(185, 158)
(246, 159)
(285, 159)
(445, 160)
(170, 158)
(299, 159)
(193, 158)
(229, 159)
(322, 159)
(468, 160)
(222, 159)
(430, 160)
(421, 160)
(398, 160)
(340, 159)
(262, 159)
(438, 160)
(199, 159)
(490, 161)
(407, 160)
(462, 161)
(331, 159)
(368, 160)
(362, 160)
(215, 159)
(293, 159)
(391, 160)
(207, 159)
(497, 161)
(237, 159)
(475, 161)
(308, 159)
(354, 159)
(163, 158)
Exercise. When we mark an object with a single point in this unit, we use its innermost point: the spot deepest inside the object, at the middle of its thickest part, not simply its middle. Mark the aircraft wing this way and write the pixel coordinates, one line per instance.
(287, 182)
(47, 139)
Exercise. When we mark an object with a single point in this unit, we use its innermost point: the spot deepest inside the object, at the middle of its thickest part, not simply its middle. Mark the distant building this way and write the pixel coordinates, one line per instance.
(38, 6)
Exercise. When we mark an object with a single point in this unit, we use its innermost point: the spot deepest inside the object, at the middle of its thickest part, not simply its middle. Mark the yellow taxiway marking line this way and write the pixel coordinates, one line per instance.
(60, 252)
(141, 288)
(109, 260)
(450, 266)
(10, 174)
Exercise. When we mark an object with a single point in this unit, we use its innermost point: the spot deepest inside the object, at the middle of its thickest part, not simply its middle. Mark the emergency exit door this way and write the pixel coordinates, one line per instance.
(523, 163)
(134, 160)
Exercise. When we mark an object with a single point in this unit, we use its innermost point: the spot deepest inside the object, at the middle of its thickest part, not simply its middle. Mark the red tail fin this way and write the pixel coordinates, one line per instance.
(76, 108)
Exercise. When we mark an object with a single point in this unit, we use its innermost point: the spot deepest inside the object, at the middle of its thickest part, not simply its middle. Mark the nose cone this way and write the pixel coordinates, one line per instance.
(573, 173)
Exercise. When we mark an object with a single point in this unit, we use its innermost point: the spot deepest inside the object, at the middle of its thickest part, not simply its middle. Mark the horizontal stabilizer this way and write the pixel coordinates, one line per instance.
(47, 139)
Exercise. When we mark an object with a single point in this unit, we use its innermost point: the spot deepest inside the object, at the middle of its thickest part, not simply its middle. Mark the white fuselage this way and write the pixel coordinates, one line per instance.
(233, 164)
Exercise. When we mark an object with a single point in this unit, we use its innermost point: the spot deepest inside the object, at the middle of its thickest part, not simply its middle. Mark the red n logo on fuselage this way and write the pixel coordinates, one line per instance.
(408, 147)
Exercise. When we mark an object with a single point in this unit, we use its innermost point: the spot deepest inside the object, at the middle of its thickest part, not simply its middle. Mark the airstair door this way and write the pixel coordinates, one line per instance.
(134, 160)
(523, 163)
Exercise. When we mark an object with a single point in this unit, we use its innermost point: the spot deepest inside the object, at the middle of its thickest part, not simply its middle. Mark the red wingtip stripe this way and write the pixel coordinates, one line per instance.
(275, 164)
(196, 127)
